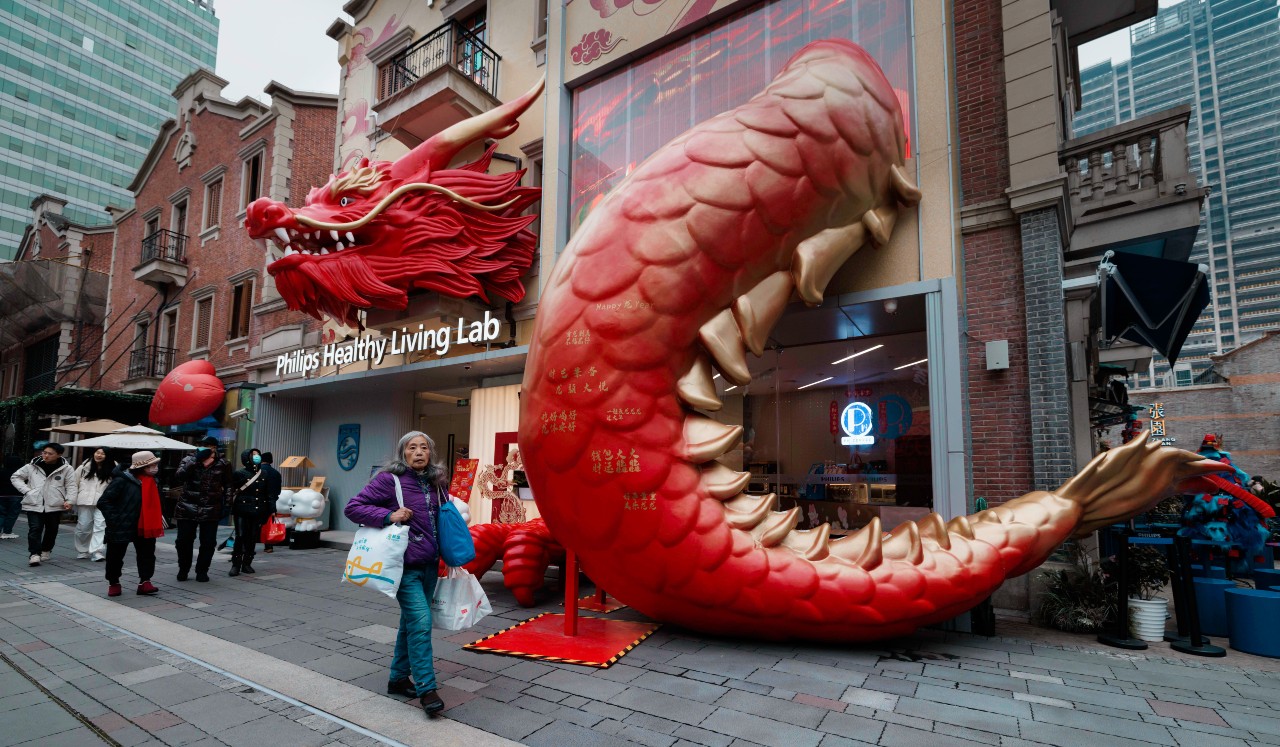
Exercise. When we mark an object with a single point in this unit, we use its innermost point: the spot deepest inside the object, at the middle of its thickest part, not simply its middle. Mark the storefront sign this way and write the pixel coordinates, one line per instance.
(348, 446)
(401, 341)
(1156, 413)
(894, 416)
(835, 417)
(856, 420)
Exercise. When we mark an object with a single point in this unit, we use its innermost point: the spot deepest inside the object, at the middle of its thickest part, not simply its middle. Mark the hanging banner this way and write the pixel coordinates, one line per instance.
(464, 476)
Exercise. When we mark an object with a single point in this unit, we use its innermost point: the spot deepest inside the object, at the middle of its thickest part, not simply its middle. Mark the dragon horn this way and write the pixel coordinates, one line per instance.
(439, 150)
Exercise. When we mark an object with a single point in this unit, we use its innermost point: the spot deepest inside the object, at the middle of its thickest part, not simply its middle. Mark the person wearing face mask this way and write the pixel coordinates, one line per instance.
(48, 488)
(91, 479)
(131, 506)
(206, 482)
(423, 482)
(249, 509)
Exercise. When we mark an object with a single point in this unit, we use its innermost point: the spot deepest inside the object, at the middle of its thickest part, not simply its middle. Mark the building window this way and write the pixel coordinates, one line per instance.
(180, 217)
(153, 225)
(251, 179)
(202, 325)
(1182, 376)
(212, 204)
(239, 313)
(168, 329)
(42, 366)
(470, 47)
(540, 22)
(140, 330)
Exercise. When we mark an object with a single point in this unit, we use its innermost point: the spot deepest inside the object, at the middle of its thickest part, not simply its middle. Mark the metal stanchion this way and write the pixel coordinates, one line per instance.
(1119, 635)
(1195, 643)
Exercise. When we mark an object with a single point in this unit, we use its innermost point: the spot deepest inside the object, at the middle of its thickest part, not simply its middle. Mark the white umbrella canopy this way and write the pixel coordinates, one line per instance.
(134, 438)
(90, 428)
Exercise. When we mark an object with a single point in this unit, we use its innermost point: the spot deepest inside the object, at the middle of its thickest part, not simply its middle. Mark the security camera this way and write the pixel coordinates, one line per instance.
(241, 413)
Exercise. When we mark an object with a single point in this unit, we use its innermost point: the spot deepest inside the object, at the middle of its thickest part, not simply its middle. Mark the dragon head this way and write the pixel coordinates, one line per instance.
(379, 230)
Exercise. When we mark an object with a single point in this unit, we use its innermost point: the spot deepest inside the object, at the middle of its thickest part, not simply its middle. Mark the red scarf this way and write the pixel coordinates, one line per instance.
(150, 523)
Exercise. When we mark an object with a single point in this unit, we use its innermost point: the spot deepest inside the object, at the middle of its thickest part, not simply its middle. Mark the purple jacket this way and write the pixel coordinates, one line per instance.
(372, 506)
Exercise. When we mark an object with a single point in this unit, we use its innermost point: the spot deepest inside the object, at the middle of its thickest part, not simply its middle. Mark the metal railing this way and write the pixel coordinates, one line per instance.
(170, 246)
(1145, 155)
(151, 361)
(448, 44)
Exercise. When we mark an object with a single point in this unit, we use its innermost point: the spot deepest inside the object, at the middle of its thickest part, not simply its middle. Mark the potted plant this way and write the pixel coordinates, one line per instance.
(1148, 574)
(1079, 598)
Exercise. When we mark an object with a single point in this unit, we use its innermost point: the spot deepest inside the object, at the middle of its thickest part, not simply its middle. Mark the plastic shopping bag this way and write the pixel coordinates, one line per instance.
(376, 558)
(273, 532)
(459, 601)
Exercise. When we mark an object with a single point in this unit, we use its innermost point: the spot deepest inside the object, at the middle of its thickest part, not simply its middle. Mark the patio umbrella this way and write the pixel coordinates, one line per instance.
(89, 427)
(134, 438)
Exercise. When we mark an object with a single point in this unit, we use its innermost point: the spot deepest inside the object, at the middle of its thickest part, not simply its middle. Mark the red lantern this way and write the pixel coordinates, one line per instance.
(190, 392)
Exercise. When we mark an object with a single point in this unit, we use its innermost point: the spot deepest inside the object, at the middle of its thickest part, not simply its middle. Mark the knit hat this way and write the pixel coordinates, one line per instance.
(143, 459)
(210, 441)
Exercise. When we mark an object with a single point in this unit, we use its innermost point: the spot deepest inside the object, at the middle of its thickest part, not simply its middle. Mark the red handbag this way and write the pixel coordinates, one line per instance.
(273, 532)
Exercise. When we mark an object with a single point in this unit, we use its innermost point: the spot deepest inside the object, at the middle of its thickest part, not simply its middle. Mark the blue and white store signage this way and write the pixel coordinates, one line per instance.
(856, 421)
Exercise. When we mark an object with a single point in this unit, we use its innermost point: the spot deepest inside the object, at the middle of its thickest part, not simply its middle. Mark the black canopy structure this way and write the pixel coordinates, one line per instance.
(1151, 301)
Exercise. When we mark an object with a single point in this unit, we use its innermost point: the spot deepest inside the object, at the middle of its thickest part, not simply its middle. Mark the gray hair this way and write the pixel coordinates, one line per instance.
(435, 473)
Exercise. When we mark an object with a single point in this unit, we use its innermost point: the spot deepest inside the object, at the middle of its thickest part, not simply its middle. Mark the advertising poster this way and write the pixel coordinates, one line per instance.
(464, 476)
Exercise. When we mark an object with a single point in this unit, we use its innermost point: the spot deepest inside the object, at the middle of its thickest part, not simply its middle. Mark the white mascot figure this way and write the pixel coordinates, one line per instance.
(284, 507)
(307, 507)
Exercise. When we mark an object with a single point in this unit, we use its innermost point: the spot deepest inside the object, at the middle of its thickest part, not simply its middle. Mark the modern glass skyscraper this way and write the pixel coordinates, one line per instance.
(1223, 58)
(84, 87)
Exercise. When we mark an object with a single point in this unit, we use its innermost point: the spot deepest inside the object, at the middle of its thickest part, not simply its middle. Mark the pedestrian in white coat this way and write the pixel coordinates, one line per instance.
(48, 488)
(91, 479)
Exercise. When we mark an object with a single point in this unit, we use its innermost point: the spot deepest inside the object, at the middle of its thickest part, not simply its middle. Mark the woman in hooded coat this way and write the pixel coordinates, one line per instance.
(131, 506)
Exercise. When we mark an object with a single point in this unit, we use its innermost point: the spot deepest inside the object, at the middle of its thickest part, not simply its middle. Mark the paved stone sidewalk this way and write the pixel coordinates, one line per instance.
(678, 688)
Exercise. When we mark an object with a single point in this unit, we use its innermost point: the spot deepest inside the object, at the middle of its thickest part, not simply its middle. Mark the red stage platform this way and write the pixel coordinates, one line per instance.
(600, 642)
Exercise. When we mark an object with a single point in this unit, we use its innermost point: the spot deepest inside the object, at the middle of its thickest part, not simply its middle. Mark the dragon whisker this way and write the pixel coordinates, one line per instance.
(396, 194)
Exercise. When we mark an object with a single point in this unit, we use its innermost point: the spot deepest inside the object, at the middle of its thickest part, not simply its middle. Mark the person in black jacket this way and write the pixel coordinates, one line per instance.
(206, 483)
(131, 507)
(274, 482)
(248, 509)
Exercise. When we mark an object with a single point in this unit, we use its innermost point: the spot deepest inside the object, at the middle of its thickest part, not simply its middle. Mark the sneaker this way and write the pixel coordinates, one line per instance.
(431, 703)
(82, 556)
(113, 590)
(99, 557)
(45, 555)
(146, 587)
(404, 688)
(202, 576)
(8, 536)
(34, 560)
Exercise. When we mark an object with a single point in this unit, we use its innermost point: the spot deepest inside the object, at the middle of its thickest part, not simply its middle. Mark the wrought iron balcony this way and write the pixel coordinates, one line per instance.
(167, 245)
(449, 44)
(1132, 188)
(446, 76)
(164, 259)
(150, 362)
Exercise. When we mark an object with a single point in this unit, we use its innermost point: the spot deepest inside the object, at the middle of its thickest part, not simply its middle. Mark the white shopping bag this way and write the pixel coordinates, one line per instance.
(459, 601)
(376, 559)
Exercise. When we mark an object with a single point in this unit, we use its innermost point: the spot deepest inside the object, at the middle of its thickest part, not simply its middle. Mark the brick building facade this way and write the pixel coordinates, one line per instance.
(187, 282)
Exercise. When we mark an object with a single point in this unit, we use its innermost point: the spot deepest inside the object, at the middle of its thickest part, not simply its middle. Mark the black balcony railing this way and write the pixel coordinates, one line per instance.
(150, 362)
(449, 44)
(164, 244)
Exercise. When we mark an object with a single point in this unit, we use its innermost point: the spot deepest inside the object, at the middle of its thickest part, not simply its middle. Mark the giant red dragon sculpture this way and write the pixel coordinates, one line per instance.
(681, 270)
(374, 233)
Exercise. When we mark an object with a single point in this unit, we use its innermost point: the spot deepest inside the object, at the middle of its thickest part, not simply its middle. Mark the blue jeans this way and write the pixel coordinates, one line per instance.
(413, 642)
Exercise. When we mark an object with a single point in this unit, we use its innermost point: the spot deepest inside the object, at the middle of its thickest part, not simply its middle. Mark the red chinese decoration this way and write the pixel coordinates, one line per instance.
(464, 476)
(190, 392)
(374, 233)
(594, 44)
(835, 417)
(680, 272)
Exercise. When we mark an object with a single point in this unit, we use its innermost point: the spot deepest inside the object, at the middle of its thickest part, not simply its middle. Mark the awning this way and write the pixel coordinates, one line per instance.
(1151, 301)
(38, 292)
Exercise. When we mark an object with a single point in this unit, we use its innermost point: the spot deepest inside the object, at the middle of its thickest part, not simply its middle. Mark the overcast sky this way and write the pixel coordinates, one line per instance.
(282, 40)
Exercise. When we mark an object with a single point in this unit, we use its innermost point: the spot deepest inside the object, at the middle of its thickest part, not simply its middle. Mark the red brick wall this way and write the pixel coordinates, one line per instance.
(312, 153)
(231, 253)
(998, 401)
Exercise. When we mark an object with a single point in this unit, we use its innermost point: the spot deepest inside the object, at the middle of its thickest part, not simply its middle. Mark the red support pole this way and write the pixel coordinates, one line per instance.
(570, 593)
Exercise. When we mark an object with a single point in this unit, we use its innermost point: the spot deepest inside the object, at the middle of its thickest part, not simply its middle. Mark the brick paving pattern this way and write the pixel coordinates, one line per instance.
(677, 688)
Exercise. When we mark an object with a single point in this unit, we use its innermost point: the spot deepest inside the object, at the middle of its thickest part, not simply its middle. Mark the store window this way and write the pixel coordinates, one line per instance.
(621, 119)
(837, 417)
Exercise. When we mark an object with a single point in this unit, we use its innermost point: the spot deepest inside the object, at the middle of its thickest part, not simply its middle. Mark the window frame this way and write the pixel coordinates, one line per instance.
(240, 307)
(204, 296)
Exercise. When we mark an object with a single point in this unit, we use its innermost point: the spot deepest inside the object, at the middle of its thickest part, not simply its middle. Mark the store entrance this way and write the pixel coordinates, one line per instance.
(446, 417)
(837, 417)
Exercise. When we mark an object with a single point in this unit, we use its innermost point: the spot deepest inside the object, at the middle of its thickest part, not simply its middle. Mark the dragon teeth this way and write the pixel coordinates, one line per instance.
(334, 235)
(283, 236)
(289, 251)
(323, 252)
(350, 238)
(339, 246)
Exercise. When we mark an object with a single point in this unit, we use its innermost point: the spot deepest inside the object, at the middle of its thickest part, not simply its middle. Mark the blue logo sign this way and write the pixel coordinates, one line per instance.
(894, 416)
(348, 445)
(856, 421)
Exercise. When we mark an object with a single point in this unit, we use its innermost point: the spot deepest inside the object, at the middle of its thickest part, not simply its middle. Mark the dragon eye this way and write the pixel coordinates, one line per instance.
(346, 201)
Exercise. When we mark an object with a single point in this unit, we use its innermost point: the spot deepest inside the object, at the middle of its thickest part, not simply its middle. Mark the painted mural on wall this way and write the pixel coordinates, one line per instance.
(377, 231)
(677, 274)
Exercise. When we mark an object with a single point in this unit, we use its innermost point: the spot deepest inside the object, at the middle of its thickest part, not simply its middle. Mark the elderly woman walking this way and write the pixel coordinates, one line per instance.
(423, 481)
(131, 506)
